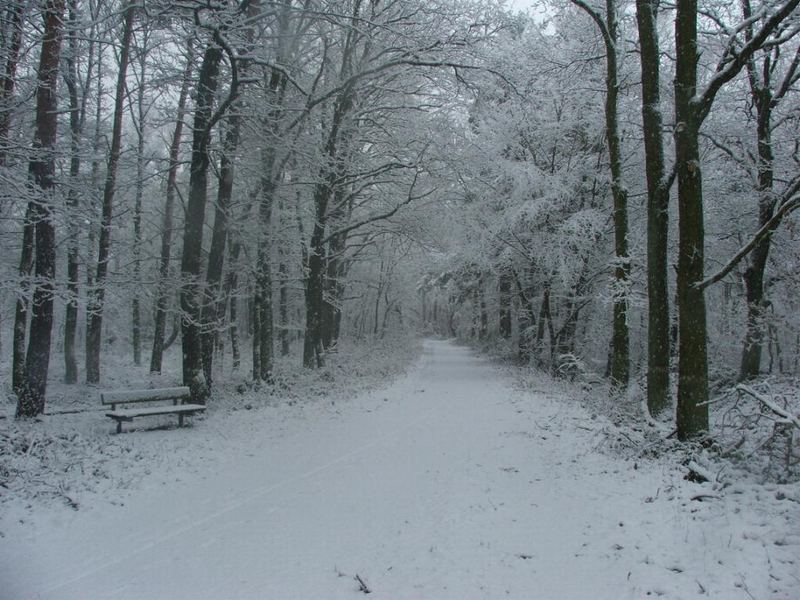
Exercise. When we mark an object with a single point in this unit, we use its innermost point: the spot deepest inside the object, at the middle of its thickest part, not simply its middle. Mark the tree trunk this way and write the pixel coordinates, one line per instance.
(23, 302)
(334, 278)
(231, 291)
(7, 85)
(136, 312)
(191, 259)
(256, 320)
(763, 101)
(41, 172)
(313, 352)
(283, 306)
(96, 296)
(234, 331)
(9, 78)
(160, 316)
(544, 320)
(76, 120)
(692, 411)
(620, 361)
(97, 141)
(213, 308)
(264, 282)
(526, 324)
(483, 332)
(264, 339)
(658, 348)
(269, 183)
(312, 341)
(505, 305)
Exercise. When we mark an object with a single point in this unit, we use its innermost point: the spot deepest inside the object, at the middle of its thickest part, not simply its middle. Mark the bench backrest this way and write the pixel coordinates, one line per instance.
(127, 396)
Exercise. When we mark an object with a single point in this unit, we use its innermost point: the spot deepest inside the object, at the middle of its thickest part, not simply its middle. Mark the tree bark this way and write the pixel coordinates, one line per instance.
(526, 319)
(191, 259)
(7, 85)
(76, 121)
(8, 80)
(136, 311)
(41, 171)
(23, 302)
(213, 309)
(620, 345)
(264, 340)
(231, 285)
(692, 411)
(256, 320)
(658, 347)
(505, 305)
(283, 305)
(336, 270)
(545, 318)
(483, 331)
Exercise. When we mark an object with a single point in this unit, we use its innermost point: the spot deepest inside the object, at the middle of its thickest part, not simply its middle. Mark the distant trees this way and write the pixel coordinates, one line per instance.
(512, 197)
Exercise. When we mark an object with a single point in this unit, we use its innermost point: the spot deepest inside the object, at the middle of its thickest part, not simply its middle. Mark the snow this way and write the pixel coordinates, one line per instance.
(121, 397)
(449, 482)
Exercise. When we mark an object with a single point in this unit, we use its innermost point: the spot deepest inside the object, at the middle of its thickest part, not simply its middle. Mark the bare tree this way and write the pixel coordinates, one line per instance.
(162, 291)
(96, 295)
(620, 361)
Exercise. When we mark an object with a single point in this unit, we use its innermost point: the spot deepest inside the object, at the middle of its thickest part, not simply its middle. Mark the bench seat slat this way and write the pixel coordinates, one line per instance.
(131, 413)
(154, 395)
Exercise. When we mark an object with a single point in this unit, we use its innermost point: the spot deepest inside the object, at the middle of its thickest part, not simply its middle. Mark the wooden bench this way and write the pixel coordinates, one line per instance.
(178, 396)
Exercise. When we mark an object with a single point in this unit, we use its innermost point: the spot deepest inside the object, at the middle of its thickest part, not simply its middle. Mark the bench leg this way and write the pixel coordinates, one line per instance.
(119, 426)
(180, 420)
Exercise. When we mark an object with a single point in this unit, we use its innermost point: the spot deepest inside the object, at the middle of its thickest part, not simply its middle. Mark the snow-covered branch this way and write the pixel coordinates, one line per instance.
(786, 416)
(791, 204)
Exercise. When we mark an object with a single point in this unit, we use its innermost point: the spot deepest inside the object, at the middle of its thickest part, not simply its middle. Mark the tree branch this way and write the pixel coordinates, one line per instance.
(729, 68)
(789, 205)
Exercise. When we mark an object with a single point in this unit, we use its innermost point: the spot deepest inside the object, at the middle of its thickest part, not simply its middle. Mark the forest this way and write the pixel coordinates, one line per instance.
(602, 192)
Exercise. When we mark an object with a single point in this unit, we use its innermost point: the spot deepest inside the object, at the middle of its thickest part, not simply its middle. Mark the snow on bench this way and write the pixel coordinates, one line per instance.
(178, 395)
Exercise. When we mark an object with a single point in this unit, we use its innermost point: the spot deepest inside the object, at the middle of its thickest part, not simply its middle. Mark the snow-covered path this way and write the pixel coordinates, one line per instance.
(448, 484)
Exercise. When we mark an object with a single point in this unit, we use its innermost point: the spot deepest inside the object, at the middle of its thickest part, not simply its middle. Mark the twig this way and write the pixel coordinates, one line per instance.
(362, 587)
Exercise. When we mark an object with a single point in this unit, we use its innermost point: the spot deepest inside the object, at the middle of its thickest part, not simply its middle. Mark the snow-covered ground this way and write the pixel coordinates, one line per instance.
(448, 483)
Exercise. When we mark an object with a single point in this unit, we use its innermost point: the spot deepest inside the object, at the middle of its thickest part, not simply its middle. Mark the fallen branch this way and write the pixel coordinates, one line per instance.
(786, 416)
(703, 496)
(700, 474)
